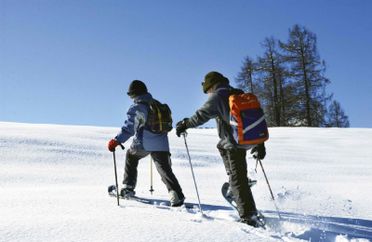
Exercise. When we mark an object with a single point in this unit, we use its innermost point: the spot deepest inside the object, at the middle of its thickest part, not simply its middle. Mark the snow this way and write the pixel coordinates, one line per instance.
(54, 178)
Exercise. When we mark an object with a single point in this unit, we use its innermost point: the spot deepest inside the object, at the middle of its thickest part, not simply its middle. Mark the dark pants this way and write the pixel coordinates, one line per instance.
(163, 165)
(236, 168)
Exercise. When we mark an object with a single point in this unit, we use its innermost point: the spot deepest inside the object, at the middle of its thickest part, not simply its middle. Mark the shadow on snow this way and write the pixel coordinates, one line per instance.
(306, 227)
(318, 228)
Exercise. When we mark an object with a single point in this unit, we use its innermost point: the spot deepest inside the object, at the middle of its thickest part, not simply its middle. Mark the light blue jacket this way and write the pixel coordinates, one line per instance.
(134, 125)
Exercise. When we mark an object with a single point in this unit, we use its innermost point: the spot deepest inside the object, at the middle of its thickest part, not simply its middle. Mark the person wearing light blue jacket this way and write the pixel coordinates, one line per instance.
(145, 143)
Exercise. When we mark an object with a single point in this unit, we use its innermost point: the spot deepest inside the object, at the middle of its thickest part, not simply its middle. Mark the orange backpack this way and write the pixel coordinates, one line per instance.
(247, 119)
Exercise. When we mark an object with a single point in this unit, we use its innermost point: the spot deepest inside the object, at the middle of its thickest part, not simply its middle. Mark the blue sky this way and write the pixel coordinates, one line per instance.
(70, 62)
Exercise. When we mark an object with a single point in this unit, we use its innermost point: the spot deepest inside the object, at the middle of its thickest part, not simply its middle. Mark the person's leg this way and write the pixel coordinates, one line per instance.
(130, 169)
(163, 166)
(236, 168)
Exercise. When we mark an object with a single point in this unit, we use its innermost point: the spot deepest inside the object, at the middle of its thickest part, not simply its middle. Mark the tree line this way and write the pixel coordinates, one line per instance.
(289, 79)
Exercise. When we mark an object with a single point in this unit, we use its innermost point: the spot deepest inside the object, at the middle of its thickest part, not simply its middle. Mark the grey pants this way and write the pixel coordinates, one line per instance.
(236, 168)
(163, 165)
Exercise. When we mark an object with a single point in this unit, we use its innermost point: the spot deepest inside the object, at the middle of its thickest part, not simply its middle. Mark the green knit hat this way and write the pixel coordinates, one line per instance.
(213, 78)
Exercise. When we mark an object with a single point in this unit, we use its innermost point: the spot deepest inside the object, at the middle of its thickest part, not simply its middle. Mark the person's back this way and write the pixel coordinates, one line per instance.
(145, 143)
(143, 137)
(233, 155)
(217, 107)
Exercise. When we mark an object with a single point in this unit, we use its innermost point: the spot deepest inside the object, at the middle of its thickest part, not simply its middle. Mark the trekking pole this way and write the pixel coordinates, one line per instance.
(116, 175)
(192, 171)
(151, 177)
(271, 192)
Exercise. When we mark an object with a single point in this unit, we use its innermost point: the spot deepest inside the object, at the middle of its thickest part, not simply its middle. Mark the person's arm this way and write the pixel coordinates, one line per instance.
(205, 113)
(136, 116)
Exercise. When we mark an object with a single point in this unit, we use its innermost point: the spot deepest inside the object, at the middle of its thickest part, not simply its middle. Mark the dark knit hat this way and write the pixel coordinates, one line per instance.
(137, 88)
(213, 78)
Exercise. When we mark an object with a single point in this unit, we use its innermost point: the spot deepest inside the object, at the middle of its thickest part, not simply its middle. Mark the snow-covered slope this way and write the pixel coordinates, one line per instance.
(53, 182)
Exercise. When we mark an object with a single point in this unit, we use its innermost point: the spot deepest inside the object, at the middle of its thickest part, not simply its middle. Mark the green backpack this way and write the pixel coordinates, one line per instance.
(159, 118)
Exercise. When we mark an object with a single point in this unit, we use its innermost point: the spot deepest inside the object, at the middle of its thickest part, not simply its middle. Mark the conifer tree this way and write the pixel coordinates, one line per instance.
(276, 89)
(337, 117)
(245, 79)
(307, 73)
(269, 69)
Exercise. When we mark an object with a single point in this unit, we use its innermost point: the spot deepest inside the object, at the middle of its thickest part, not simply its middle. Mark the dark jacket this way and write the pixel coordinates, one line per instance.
(217, 107)
(134, 125)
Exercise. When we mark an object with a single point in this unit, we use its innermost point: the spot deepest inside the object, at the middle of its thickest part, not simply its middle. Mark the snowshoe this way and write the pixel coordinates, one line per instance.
(256, 220)
(227, 193)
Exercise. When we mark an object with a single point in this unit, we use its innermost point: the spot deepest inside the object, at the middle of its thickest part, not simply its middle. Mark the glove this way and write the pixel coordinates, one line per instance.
(112, 145)
(181, 126)
(259, 151)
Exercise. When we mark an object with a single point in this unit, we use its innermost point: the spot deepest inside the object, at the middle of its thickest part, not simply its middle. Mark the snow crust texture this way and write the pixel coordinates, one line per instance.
(54, 178)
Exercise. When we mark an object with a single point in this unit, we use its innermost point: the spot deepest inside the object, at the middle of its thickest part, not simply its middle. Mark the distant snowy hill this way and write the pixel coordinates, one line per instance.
(54, 178)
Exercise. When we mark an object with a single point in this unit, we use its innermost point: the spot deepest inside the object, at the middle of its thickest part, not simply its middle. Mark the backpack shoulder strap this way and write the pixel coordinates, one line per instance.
(235, 91)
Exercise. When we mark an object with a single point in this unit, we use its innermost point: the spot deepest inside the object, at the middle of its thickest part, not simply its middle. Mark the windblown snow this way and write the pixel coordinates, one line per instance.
(54, 178)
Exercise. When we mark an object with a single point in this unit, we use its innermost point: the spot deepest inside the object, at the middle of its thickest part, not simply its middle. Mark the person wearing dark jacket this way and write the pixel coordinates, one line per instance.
(233, 155)
(145, 143)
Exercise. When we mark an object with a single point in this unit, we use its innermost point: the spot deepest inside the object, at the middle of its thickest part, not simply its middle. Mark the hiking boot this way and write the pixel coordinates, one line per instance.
(256, 220)
(175, 200)
(127, 193)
